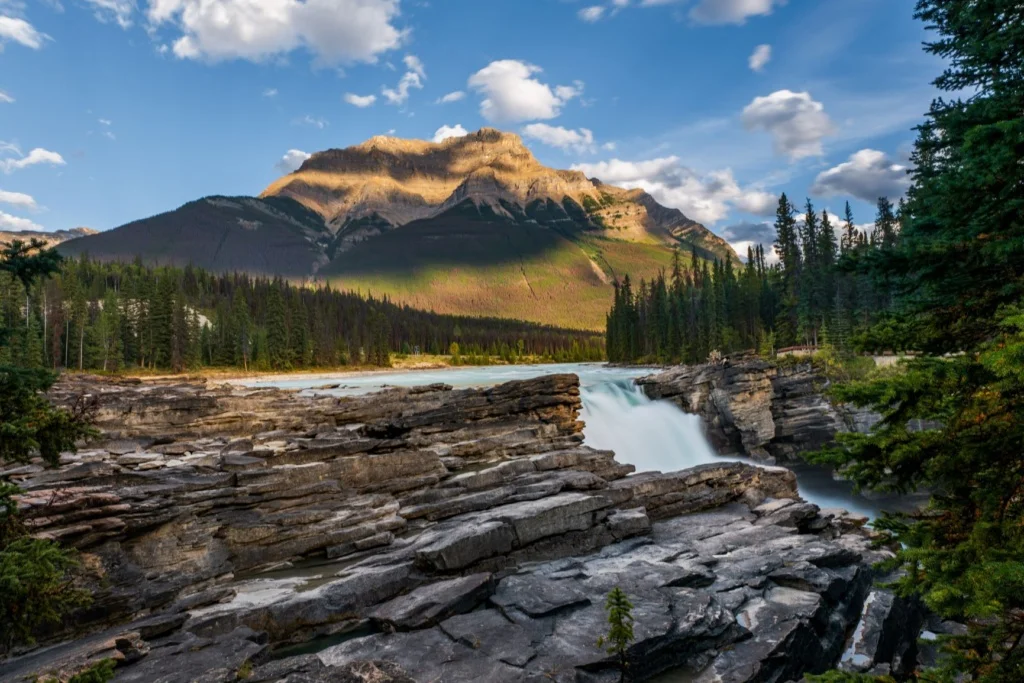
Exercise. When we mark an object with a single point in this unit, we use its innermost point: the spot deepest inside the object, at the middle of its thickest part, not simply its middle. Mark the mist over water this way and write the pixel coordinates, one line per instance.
(647, 434)
(650, 435)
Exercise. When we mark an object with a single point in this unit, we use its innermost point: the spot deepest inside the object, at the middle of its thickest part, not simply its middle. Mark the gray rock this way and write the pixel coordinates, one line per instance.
(433, 602)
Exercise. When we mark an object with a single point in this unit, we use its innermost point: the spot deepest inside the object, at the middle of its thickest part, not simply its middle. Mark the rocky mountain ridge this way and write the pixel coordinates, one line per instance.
(50, 238)
(474, 225)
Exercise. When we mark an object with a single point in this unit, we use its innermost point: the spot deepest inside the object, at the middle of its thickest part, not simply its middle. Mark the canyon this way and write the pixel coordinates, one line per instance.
(431, 533)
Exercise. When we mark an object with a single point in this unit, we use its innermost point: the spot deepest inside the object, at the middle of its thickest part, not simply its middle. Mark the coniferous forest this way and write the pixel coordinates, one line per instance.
(810, 295)
(115, 316)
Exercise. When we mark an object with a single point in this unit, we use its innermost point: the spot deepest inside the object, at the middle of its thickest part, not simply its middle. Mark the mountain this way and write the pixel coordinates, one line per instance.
(51, 238)
(472, 225)
(271, 236)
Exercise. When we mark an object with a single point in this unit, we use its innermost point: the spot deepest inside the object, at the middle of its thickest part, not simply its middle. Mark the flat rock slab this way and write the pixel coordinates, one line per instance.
(429, 604)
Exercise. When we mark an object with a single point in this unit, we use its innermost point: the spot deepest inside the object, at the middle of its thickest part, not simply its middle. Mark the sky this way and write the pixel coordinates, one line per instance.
(115, 110)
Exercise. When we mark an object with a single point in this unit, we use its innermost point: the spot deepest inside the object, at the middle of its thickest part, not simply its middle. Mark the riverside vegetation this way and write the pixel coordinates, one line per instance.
(114, 317)
(946, 285)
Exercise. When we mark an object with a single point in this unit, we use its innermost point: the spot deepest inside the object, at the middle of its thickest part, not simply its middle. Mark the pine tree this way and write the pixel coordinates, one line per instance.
(957, 272)
(620, 630)
(276, 329)
(34, 573)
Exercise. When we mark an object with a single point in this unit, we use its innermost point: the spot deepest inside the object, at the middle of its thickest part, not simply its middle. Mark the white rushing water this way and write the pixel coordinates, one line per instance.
(650, 435)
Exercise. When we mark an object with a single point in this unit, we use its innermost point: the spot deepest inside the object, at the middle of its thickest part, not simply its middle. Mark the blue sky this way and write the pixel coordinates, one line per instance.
(112, 110)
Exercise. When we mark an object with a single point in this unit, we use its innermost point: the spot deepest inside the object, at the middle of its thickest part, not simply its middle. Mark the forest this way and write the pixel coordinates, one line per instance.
(812, 295)
(114, 316)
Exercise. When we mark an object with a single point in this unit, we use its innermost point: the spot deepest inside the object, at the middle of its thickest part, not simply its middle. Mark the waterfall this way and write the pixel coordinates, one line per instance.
(651, 435)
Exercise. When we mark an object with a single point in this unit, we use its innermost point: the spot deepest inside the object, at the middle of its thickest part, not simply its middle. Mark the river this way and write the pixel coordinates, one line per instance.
(651, 435)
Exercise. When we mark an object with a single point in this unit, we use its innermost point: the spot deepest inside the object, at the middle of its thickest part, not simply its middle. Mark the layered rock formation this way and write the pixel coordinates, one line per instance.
(756, 408)
(386, 182)
(429, 534)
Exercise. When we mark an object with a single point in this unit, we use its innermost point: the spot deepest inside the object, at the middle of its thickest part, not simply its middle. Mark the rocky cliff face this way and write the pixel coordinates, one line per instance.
(428, 534)
(391, 182)
(757, 408)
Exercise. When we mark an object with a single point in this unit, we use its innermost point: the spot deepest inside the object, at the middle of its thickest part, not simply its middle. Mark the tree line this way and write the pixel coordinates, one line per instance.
(92, 315)
(812, 294)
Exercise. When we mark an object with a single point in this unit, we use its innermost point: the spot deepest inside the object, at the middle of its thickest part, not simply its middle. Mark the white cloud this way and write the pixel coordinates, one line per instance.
(761, 55)
(413, 63)
(609, 146)
(591, 14)
(794, 119)
(36, 156)
(451, 97)
(291, 160)
(445, 132)
(20, 31)
(413, 78)
(580, 141)
(730, 11)
(361, 101)
(105, 122)
(270, 92)
(9, 222)
(757, 202)
(313, 121)
(868, 175)
(5, 98)
(335, 31)
(17, 199)
(705, 198)
(109, 135)
(399, 95)
(511, 94)
(119, 11)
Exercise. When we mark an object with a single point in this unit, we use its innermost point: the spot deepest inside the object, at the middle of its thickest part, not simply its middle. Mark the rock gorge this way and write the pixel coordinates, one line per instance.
(758, 408)
(434, 534)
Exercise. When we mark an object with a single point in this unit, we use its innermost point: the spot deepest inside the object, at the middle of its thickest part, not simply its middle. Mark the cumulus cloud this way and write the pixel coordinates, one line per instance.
(591, 14)
(413, 78)
(451, 97)
(335, 31)
(796, 122)
(361, 101)
(868, 175)
(744, 235)
(9, 222)
(291, 161)
(706, 198)
(17, 199)
(580, 141)
(270, 92)
(5, 98)
(761, 55)
(36, 156)
(20, 31)
(119, 11)
(728, 11)
(511, 93)
(445, 132)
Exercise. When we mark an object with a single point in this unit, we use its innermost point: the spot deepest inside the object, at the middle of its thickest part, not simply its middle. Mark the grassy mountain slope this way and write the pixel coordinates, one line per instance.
(267, 236)
(474, 225)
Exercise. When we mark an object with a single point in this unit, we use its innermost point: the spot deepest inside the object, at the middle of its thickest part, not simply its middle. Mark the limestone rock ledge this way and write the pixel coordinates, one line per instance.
(429, 534)
(756, 408)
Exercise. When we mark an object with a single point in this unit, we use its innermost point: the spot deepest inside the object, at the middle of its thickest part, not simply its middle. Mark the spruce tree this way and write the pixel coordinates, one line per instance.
(957, 271)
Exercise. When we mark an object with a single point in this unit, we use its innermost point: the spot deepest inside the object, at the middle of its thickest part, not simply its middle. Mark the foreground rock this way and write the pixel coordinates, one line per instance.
(757, 408)
(429, 534)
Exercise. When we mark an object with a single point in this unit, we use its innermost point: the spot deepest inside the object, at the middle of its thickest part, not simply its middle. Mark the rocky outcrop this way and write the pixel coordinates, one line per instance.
(430, 534)
(756, 408)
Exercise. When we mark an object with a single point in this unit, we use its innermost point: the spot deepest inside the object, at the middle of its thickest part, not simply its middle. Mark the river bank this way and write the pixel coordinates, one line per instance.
(469, 534)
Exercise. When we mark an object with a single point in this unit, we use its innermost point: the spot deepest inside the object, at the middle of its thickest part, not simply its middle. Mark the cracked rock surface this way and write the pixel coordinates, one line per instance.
(433, 535)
